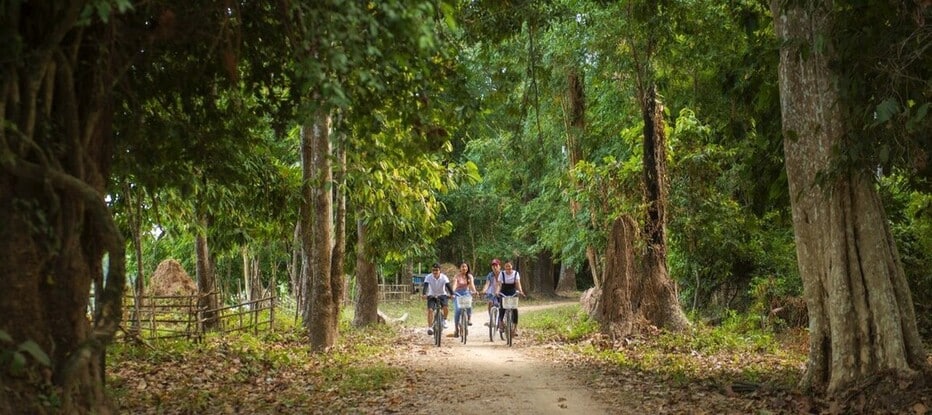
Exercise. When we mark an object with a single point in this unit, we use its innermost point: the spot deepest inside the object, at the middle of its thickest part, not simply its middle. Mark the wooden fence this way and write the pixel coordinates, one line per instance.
(395, 292)
(166, 317)
(179, 316)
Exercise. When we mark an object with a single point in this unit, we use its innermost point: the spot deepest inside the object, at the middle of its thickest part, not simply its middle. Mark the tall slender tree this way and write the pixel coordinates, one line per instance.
(317, 190)
(575, 115)
(655, 297)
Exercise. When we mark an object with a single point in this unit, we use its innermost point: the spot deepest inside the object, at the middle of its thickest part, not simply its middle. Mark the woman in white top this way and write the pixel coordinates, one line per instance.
(509, 284)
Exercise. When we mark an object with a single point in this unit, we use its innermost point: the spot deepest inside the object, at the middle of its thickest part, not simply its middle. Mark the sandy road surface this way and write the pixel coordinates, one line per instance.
(477, 376)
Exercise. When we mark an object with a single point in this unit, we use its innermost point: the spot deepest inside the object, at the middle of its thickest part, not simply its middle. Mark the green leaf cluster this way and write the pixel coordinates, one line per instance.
(14, 356)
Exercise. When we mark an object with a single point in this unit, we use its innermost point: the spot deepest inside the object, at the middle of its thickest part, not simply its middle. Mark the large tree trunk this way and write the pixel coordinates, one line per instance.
(318, 202)
(55, 226)
(567, 282)
(367, 284)
(575, 130)
(617, 306)
(305, 281)
(659, 302)
(541, 275)
(295, 270)
(861, 318)
(252, 276)
(134, 207)
(206, 280)
(337, 279)
(631, 297)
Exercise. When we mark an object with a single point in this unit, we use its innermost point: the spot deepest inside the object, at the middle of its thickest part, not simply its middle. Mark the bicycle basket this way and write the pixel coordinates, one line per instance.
(509, 302)
(464, 301)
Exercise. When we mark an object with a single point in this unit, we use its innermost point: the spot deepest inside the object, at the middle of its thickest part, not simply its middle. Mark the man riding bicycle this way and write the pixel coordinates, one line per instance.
(436, 288)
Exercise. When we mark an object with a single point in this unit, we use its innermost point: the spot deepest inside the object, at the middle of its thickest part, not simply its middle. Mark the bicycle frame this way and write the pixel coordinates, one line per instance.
(508, 320)
(493, 320)
(438, 320)
(463, 320)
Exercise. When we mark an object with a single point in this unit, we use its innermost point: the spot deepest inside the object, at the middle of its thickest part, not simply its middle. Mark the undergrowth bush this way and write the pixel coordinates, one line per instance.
(567, 323)
(736, 349)
(217, 368)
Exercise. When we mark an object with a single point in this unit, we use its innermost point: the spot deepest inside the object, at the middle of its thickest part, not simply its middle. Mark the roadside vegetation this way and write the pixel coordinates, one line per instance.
(275, 372)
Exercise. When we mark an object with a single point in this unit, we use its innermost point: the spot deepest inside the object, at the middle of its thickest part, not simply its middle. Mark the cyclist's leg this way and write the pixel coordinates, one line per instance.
(501, 317)
(430, 318)
(430, 314)
(457, 313)
(489, 308)
(462, 323)
(514, 323)
(491, 301)
(445, 308)
(509, 325)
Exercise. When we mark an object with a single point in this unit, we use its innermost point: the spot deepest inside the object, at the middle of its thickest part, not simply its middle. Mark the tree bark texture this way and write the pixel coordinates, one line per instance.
(296, 268)
(337, 279)
(318, 183)
(861, 318)
(575, 129)
(135, 220)
(542, 275)
(367, 284)
(567, 282)
(207, 295)
(252, 275)
(659, 303)
(618, 305)
(55, 227)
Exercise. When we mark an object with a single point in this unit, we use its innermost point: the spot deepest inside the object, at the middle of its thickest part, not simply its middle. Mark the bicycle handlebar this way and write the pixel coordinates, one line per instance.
(513, 295)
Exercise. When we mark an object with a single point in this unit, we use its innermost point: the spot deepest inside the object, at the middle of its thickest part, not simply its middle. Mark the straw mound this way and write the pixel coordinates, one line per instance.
(171, 279)
(449, 269)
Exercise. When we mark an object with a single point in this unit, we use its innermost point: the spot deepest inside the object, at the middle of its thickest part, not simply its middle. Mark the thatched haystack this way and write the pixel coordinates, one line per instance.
(170, 279)
(450, 269)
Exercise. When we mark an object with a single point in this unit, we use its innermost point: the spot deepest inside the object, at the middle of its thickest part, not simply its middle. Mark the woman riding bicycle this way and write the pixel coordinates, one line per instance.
(436, 288)
(462, 285)
(491, 282)
(509, 284)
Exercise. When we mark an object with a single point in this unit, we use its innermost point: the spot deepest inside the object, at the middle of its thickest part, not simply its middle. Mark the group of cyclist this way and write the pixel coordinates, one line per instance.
(498, 282)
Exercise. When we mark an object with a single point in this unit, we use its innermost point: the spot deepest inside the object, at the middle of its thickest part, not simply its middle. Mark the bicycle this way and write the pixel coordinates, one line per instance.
(463, 304)
(510, 305)
(493, 319)
(438, 318)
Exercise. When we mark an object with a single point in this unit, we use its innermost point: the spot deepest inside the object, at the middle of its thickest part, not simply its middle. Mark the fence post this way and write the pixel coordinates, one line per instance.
(272, 312)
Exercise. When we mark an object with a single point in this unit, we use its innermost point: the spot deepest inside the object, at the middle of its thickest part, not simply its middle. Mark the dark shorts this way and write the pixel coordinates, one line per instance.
(431, 300)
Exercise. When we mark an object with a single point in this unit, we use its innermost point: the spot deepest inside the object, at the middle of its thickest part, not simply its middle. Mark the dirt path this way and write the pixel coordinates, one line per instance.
(480, 375)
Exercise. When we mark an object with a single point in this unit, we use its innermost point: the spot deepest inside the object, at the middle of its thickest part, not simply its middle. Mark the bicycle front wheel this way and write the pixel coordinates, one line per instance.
(493, 318)
(438, 327)
(464, 323)
(509, 325)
